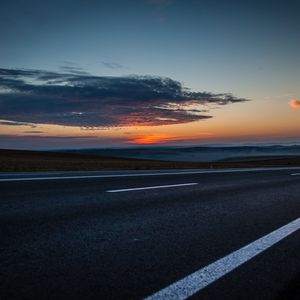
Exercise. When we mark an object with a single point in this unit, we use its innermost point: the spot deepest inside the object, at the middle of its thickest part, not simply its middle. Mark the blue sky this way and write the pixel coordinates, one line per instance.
(247, 48)
(207, 44)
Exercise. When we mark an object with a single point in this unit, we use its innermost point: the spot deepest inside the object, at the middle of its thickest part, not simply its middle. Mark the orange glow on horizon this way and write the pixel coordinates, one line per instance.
(252, 121)
(149, 139)
(161, 138)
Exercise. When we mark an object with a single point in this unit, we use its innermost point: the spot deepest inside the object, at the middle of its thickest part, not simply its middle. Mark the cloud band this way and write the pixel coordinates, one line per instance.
(35, 96)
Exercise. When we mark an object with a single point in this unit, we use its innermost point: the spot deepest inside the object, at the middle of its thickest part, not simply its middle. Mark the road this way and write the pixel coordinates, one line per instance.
(155, 234)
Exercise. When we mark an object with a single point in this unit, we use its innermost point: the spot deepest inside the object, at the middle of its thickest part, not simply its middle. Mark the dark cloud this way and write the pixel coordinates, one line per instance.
(35, 96)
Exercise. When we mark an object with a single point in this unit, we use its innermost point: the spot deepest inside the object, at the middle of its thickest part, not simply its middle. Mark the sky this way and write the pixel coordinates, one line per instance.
(117, 73)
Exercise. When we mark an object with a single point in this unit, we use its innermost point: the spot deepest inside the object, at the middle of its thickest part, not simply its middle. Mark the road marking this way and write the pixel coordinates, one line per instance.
(151, 187)
(197, 281)
(145, 174)
(50, 178)
(295, 174)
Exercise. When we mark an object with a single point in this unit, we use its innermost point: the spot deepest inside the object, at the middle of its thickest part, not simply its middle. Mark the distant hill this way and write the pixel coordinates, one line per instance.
(26, 161)
(22, 160)
(195, 154)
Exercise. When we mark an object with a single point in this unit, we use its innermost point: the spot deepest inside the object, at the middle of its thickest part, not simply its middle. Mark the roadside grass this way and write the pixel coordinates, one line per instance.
(27, 161)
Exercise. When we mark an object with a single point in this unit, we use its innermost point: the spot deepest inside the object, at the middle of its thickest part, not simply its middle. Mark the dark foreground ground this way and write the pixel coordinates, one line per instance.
(69, 238)
(24, 161)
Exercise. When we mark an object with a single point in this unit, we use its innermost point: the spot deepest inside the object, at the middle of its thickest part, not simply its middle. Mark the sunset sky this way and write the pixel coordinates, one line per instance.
(80, 74)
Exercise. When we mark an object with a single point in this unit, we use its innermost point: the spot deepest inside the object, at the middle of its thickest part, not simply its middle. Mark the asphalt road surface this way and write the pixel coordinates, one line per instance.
(155, 235)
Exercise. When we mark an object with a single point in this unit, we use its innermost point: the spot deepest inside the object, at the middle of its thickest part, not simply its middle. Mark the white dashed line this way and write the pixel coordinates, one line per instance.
(197, 281)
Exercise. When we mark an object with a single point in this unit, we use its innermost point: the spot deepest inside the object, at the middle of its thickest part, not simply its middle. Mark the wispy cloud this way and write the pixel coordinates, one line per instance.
(13, 123)
(33, 131)
(112, 65)
(294, 103)
(39, 141)
(69, 67)
(36, 96)
(55, 137)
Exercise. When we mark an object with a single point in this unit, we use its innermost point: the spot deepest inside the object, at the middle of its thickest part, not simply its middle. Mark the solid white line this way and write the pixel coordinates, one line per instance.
(145, 174)
(50, 178)
(197, 281)
(151, 187)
